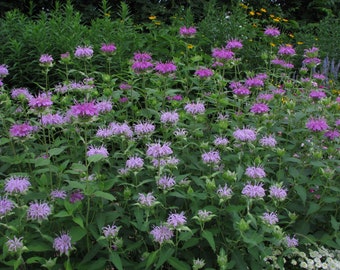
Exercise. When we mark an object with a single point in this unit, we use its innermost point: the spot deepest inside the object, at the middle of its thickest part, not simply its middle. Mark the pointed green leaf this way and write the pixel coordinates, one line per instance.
(210, 238)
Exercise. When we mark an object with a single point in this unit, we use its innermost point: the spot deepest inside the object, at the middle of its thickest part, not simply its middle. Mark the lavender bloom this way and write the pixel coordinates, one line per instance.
(319, 76)
(277, 192)
(21, 130)
(180, 132)
(125, 86)
(315, 124)
(269, 141)
(101, 150)
(58, 194)
(38, 211)
(255, 172)
(134, 163)
(220, 141)
(254, 191)
(234, 44)
(187, 31)
(222, 54)
(311, 62)
(195, 108)
(332, 134)
(15, 244)
(168, 161)
(161, 234)
(270, 218)
(86, 109)
(197, 264)
(146, 200)
(311, 52)
(245, 134)
(17, 184)
(241, 91)
(224, 192)
(211, 157)
(46, 60)
(176, 220)
(108, 48)
(142, 57)
(145, 128)
(52, 119)
(254, 82)
(104, 106)
(157, 150)
(259, 108)
(286, 50)
(83, 52)
(62, 244)
(21, 92)
(266, 97)
(316, 94)
(169, 117)
(204, 215)
(166, 182)
(291, 241)
(6, 206)
(139, 67)
(43, 100)
(204, 73)
(76, 196)
(121, 129)
(3, 71)
(110, 231)
(272, 31)
(165, 68)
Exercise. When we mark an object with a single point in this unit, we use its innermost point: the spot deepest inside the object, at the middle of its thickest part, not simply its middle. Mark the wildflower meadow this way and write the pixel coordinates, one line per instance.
(178, 152)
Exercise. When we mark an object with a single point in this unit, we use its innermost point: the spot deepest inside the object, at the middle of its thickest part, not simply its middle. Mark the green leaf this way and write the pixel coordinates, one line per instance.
(77, 233)
(38, 246)
(177, 264)
(190, 243)
(313, 207)
(56, 151)
(62, 213)
(95, 158)
(35, 259)
(4, 141)
(104, 195)
(39, 162)
(115, 259)
(79, 221)
(151, 258)
(335, 224)
(301, 191)
(164, 255)
(210, 238)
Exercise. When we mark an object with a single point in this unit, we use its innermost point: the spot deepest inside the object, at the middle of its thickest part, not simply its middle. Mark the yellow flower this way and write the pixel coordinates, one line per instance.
(334, 91)
(284, 20)
(271, 16)
(299, 42)
(284, 100)
(252, 13)
(254, 25)
(263, 10)
(107, 14)
(277, 19)
(157, 22)
(190, 46)
(243, 5)
(152, 18)
(258, 13)
(291, 35)
(272, 44)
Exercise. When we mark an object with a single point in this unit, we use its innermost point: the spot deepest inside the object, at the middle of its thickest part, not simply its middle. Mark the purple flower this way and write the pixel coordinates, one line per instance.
(101, 150)
(211, 157)
(17, 184)
(110, 231)
(165, 68)
(157, 150)
(315, 124)
(169, 117)
(3, 71)
(270, 218)
(86, 109)
(332, 134)
(222, 54)
(123, 99)
(161, 234)
(221, 141)
(241, 91)
(204, 73)
(269, 141)
(52, 119)
(121, 129)
(15, 244)
(134, 163)
(85, 52)
(259, 108)
(21, 130)
(254, 190)
(271, 31)
(224, 192)
(187, 31)
(104, 106)
(286, 50)
(46, 60)
(254, 82)
(316, 94)
(58, 194)
(195, 108)
(144, 128)
(76, 196)
(266, 97)
(38, 211)
(176, 220)
(319, 76)
(6, 206)
(234, 44)
(62, 244)
(108, 48)
(43, 100)
(291, 241)
(166, 182)
(245, 134)
(65, 56)
(311, 52)
(146, 200)
(255, 172)
(204, 215)
(142, 57)
(21, 92)
(139, 67)
(125, 86)
(168, 161)
(311, 62)
(277, 192)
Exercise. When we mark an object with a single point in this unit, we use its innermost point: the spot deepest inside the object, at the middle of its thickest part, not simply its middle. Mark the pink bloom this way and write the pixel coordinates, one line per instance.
(311, 52)
(21, 130)
(21, 92)
(222, 54)
(187, 31)
(204, 73)
(234, 44)
(165, 68)
(46, 60)
(317, 94)
(195, 108)
(108, 48)
(332, 134)
(104, 106)
(317, 124)
(272, 31)
(141, 66)
(85, 52)
(3, 71)
(52, 119)
(15, 244)
(259, 108)
(265, 97)
(224, 192)
(212, 157)
(101, 150)
(86, 109)
(124, 86)
(76, 196)
(254, 190)
(43, 100)
(254, 82)
(286, 50)
(142, 57)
